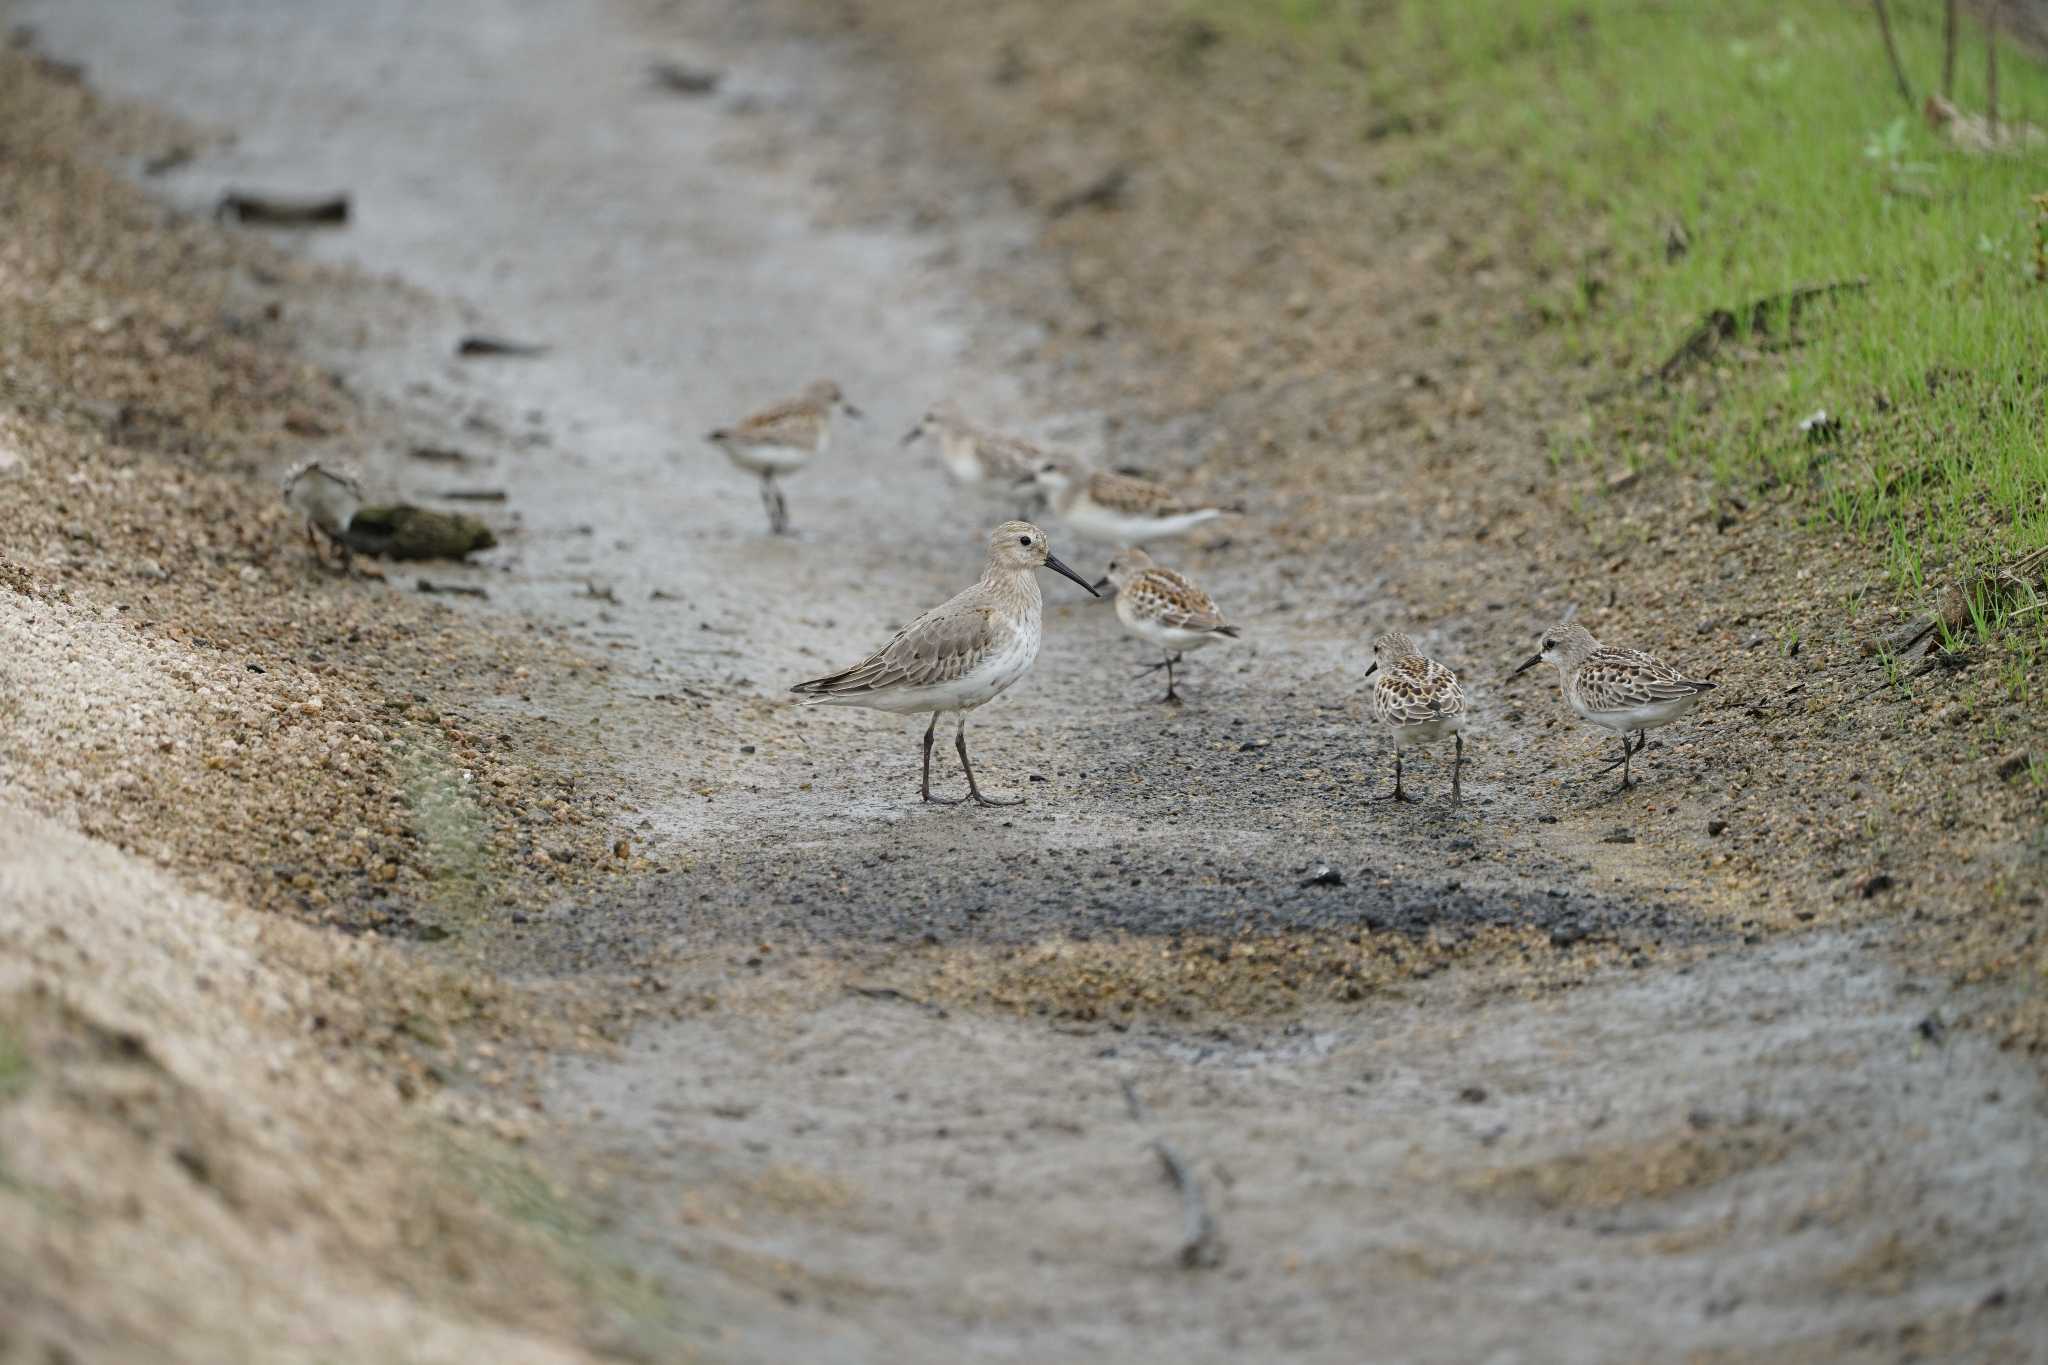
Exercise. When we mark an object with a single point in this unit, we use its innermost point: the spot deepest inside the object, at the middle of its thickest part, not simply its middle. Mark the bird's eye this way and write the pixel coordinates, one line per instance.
(1550, 644)
(1023, 540)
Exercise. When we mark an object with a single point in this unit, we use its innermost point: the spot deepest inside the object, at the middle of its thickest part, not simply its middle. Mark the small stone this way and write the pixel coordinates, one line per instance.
(1620, 834)
(2012, 765)
(1874, 883)
(1324, 875)
(1716, 828)
(1473, 1094)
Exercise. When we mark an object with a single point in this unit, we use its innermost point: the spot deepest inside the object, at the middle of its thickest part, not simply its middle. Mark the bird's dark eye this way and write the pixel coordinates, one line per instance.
(1023, 540)
(1550, 644)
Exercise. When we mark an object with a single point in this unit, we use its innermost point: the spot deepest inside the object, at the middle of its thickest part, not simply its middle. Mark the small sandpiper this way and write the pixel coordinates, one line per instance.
(781, 440)
(328, 500)
(959, 655)
(974, 454)
(1420, 699)
(1118, 507)
(1163, 607)
(1616, 689)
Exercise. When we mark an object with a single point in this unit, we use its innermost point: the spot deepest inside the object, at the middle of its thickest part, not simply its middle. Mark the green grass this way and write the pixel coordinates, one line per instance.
(1773, 135)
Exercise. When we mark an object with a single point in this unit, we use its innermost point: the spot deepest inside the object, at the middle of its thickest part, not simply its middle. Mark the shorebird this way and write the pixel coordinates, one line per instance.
(328, 500)
(1616, 689)
(1164, 607)
(974, 454)
(959, 655)
(781, 440)
(1421, 700)
(1117, 507)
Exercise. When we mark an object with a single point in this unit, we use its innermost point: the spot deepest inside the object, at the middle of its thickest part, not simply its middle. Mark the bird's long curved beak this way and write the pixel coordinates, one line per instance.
(913, 433)
(1370, 671)
(1059, 568)
(1531, 662)
(1100, 584)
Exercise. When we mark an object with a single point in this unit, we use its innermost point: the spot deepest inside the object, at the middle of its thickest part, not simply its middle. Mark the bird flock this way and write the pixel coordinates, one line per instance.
(971, 648)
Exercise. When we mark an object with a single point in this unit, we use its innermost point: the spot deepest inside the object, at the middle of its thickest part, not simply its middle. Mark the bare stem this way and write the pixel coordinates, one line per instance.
(1991, 67)
(1948, 51)
(1891, 50)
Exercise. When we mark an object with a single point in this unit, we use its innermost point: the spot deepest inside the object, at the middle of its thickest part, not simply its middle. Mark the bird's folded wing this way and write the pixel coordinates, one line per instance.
(793, 423)
(1415, 690)
(1136, 497)
(1173, 600)
(936, 648)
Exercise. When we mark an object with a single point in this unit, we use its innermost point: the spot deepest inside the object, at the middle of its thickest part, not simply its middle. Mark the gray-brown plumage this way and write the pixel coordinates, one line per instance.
(1164, 607)
(1616, 689)
(1420, 700)
(959, 655)
(783, 439)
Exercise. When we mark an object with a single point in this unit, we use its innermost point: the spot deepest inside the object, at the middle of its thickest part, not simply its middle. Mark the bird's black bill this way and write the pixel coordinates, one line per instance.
(1060, 568)
(849, 409)
(1370, 671)
(1533, 660)
(1100, 584)
(913, 433)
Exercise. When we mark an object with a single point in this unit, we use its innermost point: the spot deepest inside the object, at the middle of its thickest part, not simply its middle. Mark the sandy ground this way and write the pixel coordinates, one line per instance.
(1556, 1079)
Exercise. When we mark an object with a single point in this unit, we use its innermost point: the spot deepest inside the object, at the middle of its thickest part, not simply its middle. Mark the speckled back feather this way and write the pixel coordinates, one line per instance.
(1413, 690)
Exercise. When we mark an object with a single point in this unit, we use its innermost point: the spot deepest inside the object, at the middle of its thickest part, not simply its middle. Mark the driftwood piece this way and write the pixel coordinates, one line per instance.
(475, 347)
(272, 211)
(403, 531)
(433, 589)
(1201, 1244)
(683, 79)
(1722, 323)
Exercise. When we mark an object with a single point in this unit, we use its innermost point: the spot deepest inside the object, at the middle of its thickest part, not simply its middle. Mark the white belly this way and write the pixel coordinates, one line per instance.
(773, 459)
(327, 505)
(962, 458)
(1172, 639)
(1097, 522)
(1640, 717)
(1427, 732)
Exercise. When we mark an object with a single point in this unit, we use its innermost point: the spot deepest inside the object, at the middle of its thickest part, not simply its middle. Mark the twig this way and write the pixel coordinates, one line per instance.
(1948, 51)
(1200, 1243)
(327, 211)
(891, 993)
(1100, 192)
(1891, 50)
(428, 586)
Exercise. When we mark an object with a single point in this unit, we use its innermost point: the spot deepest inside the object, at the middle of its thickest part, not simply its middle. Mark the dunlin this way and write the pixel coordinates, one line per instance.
(783, 439)
(327, 499)
(975, 454)
(1117, 507)
(1164, 607)
(959, 655)
(1420, 699)
(1616, 689)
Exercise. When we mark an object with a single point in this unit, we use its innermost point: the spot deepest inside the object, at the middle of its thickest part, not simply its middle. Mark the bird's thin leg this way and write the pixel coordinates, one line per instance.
(348, 559)
(1171, 695)
(926, 789)
(1626, 753)
(771, 501)
(960, 743)
(1397, 794)
(1457, 766)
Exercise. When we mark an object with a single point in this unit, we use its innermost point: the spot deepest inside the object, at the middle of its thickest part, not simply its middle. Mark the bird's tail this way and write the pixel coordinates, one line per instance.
(1231, 631)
